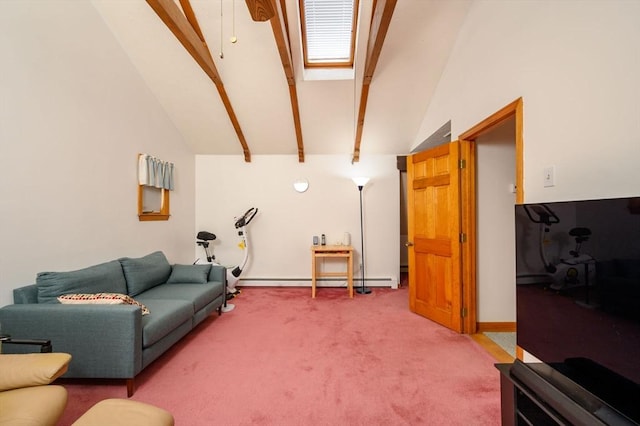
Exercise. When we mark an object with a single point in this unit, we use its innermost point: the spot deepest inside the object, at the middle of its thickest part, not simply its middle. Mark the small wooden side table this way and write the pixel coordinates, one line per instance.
(336, 252)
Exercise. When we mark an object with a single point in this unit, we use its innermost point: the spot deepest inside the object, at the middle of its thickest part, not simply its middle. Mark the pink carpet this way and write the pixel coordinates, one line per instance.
(282, 358)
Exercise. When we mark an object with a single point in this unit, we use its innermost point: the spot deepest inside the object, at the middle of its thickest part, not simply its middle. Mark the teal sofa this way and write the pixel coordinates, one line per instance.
(115, 341)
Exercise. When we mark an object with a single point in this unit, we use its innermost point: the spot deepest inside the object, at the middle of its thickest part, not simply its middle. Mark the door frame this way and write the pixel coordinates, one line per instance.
(468, 191)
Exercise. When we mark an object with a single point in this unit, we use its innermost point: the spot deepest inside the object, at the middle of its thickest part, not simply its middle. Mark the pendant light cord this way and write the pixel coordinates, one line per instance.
(221, 32)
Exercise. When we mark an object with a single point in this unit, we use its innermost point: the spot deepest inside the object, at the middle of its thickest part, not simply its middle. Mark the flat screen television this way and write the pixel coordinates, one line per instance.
(578, 295)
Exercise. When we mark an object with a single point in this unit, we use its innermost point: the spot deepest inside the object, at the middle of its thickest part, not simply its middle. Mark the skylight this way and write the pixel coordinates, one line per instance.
(328, 32)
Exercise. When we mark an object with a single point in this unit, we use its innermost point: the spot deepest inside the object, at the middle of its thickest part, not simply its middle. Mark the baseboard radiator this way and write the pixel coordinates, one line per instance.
(389, 282)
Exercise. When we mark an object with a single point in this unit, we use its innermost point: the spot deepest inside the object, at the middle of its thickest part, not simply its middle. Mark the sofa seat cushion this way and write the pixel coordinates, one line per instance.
(103, 278)
(200, 295)
(145, 272)
(166, 315)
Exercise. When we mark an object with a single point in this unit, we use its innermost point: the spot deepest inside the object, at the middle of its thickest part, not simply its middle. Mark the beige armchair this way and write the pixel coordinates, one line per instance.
(26, 395)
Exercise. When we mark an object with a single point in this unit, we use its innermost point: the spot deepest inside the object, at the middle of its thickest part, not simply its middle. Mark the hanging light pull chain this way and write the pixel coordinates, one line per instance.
(233, 38)
(221, 32)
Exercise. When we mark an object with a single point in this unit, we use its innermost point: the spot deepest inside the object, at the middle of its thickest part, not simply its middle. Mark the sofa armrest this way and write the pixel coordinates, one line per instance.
(26, 294)
(105, 341)
(218, 273)
(25, 370)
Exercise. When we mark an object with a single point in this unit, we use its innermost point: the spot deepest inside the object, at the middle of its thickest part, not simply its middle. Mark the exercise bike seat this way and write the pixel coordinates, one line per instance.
(582, 233)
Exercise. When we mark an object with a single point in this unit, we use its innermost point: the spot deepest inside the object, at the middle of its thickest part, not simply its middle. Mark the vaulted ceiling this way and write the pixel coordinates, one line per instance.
(253, 97)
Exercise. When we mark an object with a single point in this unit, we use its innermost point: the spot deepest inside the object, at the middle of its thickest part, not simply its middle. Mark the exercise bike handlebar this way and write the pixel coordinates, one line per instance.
(545, 214)
(246, 218)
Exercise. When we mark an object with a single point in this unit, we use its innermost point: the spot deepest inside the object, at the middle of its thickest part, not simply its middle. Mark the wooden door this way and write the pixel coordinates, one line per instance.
(434, 216)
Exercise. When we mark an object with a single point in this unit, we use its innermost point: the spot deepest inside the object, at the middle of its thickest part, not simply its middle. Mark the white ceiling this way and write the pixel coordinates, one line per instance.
(415, 52)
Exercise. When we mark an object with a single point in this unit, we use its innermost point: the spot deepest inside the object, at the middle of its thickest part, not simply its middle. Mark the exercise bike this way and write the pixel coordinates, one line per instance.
(233, 273)
(568, 272)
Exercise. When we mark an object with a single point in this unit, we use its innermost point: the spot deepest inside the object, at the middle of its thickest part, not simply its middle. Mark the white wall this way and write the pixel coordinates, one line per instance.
(495, 218)
(280, 235)
(575, 63)
(74, 114)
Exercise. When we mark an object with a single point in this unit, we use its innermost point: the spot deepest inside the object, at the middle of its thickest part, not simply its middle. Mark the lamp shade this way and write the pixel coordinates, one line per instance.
(361, 180)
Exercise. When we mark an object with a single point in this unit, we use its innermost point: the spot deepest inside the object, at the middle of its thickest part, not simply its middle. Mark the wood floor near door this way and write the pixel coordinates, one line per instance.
(493, 348)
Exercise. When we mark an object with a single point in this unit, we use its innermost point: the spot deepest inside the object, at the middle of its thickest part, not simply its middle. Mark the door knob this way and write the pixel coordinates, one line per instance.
(408, 244)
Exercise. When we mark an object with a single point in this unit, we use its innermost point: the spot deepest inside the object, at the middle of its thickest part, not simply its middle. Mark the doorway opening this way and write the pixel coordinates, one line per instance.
(401, 161)
(513, 111)
(482, 135)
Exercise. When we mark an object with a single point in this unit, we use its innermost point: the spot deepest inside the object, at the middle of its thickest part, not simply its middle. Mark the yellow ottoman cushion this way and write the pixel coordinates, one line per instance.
(32, 406)
(118, 411)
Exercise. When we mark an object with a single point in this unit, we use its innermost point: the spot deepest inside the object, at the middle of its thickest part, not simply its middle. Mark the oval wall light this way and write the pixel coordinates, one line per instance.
(301, 185)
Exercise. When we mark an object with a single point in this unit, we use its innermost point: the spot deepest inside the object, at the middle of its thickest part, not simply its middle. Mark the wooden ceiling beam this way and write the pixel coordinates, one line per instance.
(186, 29)
(191, 17)
(380, 21)
(281, 35)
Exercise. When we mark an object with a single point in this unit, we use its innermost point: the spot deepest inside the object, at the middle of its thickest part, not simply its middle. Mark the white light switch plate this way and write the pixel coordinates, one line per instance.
(549, 176)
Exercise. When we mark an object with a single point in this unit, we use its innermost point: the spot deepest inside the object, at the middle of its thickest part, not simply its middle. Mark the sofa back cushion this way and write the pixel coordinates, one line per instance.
(143, 273)
(181, 274)
(102, 278)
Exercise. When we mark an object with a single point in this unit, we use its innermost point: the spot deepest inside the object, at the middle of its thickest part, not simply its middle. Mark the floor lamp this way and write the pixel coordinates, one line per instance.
(361, 182)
